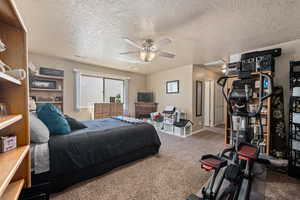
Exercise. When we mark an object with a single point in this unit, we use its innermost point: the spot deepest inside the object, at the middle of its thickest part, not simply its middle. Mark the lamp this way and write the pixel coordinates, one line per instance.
(147, 56)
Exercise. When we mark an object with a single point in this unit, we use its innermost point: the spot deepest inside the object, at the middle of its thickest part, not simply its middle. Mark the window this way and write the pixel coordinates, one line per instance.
(95, 89)
(113, 88)
(91, 91)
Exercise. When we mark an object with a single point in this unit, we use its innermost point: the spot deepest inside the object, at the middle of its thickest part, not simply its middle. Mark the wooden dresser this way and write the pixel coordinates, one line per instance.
(106, 110)
(144, 108)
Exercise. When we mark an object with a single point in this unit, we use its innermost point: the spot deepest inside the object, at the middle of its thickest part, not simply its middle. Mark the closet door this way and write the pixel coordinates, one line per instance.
(207, 103)
(219, 106)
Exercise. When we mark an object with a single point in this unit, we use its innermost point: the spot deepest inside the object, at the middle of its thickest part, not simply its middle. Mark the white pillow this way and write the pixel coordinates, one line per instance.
(39, 133)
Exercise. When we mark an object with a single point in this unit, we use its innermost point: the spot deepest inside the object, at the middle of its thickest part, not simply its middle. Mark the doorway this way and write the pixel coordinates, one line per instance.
(214, 104)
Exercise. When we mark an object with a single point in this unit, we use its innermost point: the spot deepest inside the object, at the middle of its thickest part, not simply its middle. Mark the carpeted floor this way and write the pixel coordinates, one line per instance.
(172, 175)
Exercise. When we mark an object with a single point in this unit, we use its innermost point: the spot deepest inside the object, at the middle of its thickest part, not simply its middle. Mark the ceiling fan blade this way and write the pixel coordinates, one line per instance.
(129, 52)
(215, 63)
(161, 43)
(132, 43)
(166, 54)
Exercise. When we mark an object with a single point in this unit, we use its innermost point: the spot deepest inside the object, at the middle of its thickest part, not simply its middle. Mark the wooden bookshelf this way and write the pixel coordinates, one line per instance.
(49, 77)
(15, 164)
(13, 190)
(6, 121)
(10, 161)
(42, 95)
(267, 115)
(46, 90)
(53, 102)
(7, 78)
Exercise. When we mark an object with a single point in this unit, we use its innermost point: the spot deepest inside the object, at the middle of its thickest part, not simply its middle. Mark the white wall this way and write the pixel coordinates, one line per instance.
(183, 100)
(137, 82)
(186, 98)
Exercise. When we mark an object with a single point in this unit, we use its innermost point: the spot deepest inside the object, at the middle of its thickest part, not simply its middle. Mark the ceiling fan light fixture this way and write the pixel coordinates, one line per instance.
(147, 56)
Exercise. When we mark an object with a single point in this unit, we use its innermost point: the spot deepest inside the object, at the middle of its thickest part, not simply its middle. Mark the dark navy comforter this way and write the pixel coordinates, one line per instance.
(104, 140)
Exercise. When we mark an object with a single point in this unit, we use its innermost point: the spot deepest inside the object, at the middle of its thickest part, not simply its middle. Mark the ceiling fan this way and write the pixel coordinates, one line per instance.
(148, 50)
(218, 63)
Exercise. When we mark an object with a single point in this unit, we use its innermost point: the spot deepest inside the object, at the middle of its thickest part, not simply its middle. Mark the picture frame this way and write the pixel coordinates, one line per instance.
(172, 87)
(112, 99)
(199, 98)
(43, 84)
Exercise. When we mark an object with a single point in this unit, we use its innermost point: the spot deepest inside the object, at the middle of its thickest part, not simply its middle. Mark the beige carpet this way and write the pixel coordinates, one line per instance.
(172, 175)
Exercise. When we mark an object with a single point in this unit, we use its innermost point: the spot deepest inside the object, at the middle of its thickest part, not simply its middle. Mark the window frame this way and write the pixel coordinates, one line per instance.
(115, 80)
(103, 85)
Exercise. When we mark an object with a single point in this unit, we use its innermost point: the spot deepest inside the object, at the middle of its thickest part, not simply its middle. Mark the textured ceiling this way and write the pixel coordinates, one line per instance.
(201, 30)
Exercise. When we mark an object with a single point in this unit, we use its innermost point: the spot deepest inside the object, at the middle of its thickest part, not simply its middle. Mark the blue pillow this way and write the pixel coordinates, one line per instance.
(53, 118)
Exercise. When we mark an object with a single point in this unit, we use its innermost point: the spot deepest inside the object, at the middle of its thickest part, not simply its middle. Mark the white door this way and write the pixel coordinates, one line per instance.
(208, 103)
(219, 106)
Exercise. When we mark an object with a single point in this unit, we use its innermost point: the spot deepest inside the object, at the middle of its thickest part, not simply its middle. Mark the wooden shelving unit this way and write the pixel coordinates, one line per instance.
(49, 95)
(14, 164)
(10, 162)
(46, 90)
(8, 120)
(7, 78)
(13, 190)
(49, 77)
(53, 102)
(266, 114)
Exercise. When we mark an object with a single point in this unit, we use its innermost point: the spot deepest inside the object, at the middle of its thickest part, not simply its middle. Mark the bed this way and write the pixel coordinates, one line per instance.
(104, 145)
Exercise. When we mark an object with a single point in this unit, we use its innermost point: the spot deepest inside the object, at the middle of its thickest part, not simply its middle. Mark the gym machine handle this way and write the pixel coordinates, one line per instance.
(222, 82)
(270, 81)
(269, 94)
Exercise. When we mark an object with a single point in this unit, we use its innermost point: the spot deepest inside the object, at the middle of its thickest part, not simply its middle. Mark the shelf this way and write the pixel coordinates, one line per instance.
(5, 121)
(9, 163)
(13, 190)
(49, 77)
(48, 90)
(9, 79)
(53, 102)
(252, 73)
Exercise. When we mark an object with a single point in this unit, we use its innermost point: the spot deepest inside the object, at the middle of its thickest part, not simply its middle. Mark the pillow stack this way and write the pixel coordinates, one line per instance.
(53, 119)
(39, 133)
(49, 119)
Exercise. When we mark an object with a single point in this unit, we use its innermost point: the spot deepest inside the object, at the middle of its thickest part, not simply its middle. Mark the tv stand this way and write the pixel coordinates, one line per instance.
(143, 109)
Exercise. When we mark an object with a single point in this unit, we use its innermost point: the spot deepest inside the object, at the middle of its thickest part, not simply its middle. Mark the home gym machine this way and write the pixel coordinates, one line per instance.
(233, 168)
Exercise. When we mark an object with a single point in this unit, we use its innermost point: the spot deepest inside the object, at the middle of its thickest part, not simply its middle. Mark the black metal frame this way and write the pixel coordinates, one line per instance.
(294, 128)
(177, 81)
(238, 189)
(199, 98)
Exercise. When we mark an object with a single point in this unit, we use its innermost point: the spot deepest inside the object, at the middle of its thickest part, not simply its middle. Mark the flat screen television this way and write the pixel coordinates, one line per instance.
(145, 97)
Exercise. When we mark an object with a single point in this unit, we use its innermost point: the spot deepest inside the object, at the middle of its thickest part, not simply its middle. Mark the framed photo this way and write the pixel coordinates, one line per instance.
(198, 98)
(112, 99)
(172, 87)
(43, 84)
